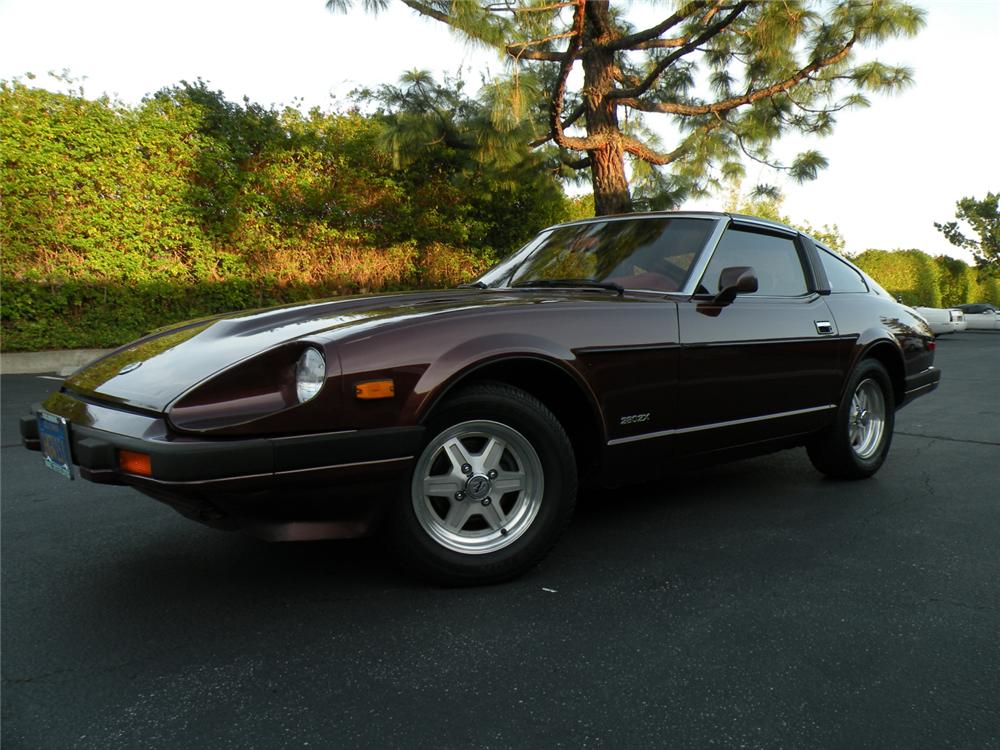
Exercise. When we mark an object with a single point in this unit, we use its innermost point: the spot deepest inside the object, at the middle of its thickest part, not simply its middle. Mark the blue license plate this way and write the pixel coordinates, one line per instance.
(53, 433)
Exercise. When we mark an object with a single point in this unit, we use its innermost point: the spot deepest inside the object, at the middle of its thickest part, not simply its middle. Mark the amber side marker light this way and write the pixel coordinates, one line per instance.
(375, 389)
(135, 463)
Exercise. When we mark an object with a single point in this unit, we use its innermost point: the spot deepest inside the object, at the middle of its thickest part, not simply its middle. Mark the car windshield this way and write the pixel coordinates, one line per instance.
(654, 254)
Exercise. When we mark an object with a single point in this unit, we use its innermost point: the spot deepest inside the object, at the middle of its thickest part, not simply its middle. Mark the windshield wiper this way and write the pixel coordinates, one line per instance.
(570, 283)
(473, 285)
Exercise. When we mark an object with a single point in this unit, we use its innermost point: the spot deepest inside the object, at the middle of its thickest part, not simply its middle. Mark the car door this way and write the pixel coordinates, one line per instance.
(765, 366)
(983, 317)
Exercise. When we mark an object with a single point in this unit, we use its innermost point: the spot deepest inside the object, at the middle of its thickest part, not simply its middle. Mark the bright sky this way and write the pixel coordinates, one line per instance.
(895, 168)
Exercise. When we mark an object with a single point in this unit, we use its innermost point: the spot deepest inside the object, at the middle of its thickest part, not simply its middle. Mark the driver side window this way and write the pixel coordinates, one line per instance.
(774, 259)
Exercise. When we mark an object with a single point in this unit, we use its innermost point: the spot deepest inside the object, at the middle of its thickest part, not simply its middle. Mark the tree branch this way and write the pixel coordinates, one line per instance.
(535, 42)
(575, 115)
(530, 54)
(624, 78)
(710, 32)
(426, 10)
(658, 158)
(572, 117)
(754, 157)
(632, 41)
(572, 163)
(496, 8)
(559, 91)
(644, 152)
(676, 41)
(738, 101)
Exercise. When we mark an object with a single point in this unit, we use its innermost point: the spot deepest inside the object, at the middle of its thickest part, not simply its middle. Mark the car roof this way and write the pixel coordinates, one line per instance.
(984, 305)
(742, 218)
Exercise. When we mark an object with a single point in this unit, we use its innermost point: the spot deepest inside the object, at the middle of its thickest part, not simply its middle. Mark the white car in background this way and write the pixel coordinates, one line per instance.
(981, 316)
(942, 319)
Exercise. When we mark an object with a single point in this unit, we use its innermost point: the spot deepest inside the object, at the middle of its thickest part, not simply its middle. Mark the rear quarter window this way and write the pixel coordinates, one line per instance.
(842, 278)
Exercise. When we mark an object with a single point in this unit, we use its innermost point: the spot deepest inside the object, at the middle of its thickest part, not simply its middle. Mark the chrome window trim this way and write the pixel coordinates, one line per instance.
(697, 269)
(717, 425)
(722, 220)
(758, 223)
(709, 215)
(740, 222)
(820, 249)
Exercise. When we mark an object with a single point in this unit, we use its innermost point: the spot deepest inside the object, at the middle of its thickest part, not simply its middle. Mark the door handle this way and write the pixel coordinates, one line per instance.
(824, 327)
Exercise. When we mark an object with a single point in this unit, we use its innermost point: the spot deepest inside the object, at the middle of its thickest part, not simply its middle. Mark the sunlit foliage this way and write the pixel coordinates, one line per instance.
(116, 219)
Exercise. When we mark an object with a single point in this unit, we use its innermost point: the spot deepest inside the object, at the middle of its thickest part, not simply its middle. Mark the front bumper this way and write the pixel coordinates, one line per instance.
(327, 485)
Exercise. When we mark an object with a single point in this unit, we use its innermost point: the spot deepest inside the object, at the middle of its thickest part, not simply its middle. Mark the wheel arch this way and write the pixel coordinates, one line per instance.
(562, 392)
(887, 353)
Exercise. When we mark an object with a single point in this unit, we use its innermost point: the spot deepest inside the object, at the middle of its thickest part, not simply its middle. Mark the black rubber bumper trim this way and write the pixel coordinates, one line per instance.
(930, 376)
(921, 384)
(96, 452)
(308, 451)
(29, 429)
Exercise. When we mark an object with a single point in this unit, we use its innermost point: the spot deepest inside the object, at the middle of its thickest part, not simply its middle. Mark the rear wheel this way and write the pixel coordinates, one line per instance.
(491, 491)
(858, 442)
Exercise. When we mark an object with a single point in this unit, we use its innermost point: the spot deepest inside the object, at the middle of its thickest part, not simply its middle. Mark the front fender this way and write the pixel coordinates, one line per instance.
(458, 363)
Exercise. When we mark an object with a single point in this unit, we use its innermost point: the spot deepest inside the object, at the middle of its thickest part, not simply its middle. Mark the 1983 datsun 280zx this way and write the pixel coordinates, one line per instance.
(461, 420)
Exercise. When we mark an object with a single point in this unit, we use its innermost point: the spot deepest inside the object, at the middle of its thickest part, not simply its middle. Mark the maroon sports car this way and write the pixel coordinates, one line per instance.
(604, 350)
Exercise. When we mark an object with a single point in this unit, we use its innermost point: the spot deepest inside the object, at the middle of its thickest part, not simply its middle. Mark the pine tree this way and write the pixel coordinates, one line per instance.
(734, 76)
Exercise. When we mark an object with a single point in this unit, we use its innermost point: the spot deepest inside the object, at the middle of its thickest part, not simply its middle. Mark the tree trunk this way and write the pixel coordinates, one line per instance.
(611, 191)
(607, 162)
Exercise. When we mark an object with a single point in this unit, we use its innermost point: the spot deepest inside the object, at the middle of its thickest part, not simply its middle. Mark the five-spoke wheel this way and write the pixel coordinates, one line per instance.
(866, 423)
(491, 491)
(477, 487)
(857, 443)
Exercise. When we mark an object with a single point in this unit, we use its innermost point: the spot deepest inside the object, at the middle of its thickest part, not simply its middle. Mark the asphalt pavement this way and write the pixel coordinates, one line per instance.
(755, 605)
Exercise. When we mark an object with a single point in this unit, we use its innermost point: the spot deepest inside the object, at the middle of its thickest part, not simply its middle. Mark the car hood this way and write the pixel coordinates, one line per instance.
(152, 372)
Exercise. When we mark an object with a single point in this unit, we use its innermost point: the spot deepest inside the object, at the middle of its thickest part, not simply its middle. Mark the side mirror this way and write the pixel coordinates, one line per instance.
(735, 280)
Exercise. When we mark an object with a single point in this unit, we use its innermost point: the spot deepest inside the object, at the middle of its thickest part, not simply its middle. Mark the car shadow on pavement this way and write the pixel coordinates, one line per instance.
(177, 562)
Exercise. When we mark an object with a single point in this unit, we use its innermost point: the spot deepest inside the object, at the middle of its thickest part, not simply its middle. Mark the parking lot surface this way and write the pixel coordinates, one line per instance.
(756, 604)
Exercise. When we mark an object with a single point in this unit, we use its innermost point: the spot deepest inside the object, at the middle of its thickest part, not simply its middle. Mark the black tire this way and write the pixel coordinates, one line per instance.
(516, 510)
(848, 449)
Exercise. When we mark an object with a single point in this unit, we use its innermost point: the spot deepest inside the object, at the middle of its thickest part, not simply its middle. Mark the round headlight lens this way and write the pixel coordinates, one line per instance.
(310, 372)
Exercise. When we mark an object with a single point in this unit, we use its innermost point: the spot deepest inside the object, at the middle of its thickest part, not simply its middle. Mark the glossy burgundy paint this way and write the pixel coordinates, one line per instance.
(651, 376)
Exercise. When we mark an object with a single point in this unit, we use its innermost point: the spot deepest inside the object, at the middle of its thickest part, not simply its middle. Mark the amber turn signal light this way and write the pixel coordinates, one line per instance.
(375, 389)
(135, 463)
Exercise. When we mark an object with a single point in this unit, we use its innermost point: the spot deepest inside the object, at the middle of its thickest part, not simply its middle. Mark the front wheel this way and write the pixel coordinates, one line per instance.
(858, 442)
(491, 491)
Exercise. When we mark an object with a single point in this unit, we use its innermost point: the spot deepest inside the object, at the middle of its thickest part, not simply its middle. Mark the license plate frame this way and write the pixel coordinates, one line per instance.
(53, 435)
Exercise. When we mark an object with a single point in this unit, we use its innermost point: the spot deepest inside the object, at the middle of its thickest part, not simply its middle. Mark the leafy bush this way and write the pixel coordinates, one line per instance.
(90, 314)
(958, 281)
(918, 279)
(989, 290)
(117, 219)
(910, 275)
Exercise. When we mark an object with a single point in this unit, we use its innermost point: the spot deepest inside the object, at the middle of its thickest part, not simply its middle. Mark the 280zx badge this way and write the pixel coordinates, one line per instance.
(634, 419)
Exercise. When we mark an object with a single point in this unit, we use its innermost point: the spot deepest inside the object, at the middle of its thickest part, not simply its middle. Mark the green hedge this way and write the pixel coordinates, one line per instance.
(115, 219)
(919, 279)
(85, 314)
(958, 282)
(910, 275)
(989, 291)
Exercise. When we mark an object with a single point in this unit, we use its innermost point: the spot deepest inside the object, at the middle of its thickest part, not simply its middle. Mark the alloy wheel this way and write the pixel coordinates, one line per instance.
(477, 487)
